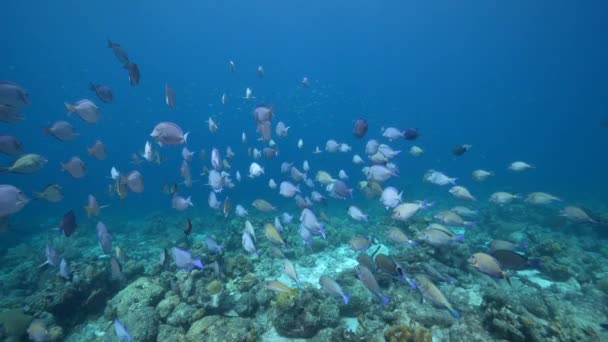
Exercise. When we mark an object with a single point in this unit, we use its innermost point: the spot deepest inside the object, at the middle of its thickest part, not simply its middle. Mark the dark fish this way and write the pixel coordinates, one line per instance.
(387, 265)
(341, 190)
(68, 224)
(169, 96)
(360, 128)
(119, 52)
(460, 149)
(13, 95)
(433, 273)
(359, 243)
(103, 92)
(133, 73)
(164, 259)
(188, 227)
(411, 134)
(515, 261)
(366, 261)
(116, 269)
(270, 152)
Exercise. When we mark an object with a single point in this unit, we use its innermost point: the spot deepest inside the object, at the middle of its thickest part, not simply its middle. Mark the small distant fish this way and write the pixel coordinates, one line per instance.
(116, 273)
(169, 96)
(300, 143)
(411, 134)
(305, 82)
(357, 214)
(248, 243)
(390, 197)
(38, 331)
(26, 164)
(68, 223)
(512, 260)
(121, 332)
(520, 166)
(241, 211)
(368, 279)
(273, 235)
(232, 66)
(248, 94)
(480, 175)
(119, 52)
(461, 149)
(213, 246)
(433, 273)
(75, 167)
(330, 286)
(12, 200)
(576, 215)
(97, 150)
(462, 193)
(212, 125)
(487, 264)
(104, 238)
(431, 293)
(255, 170)
(188, 227)
(392, 133)
(180, 203)
(86, 109)
(399, 237)
(359, 243)
(416, 151)
(61, 130)
(93, 208)
(224, 99)
(10, 114)
(260, 71)
(103, 92)
(52, 193)
(134, 74)
(168, 133)
(64, 269)
(183, 259)
(277, 286)
(438, 178)
(360, 128)
(290, 270)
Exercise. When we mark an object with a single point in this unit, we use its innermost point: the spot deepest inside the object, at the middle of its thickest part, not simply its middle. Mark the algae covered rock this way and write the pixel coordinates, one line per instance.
(218, 328)
(169, 333)
(13, 324)
(181, 315)
(166, 306)
(140, 293)
(405, 333)
(142, 323)
(303, 316)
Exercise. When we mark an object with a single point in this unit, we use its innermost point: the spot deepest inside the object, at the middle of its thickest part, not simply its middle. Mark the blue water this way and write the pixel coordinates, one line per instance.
(518, 80)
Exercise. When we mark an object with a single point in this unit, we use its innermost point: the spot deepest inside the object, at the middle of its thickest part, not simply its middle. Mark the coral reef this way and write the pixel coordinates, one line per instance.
(405, 333)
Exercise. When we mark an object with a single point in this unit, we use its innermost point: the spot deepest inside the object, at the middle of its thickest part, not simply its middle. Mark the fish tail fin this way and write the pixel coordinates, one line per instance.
(455, 313)
(536, 263)
(109, 42)
(507, 277)
(384, 300)
(345, 297)
(186, 137)
(523, 245)
(459, 237)
(450, 280)
(69, 107)
(453, 180)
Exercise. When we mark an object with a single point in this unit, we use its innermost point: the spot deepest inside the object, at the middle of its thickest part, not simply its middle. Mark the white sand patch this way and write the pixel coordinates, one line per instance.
(327, 263)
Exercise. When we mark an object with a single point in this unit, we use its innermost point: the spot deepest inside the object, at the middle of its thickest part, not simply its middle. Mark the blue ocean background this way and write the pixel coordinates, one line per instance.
(518, 80)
